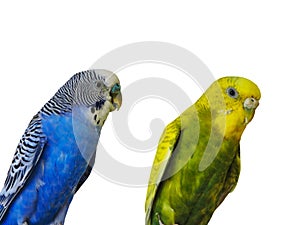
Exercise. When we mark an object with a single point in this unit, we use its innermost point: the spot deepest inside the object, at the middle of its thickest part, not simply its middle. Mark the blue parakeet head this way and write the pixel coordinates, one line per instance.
(97, 93)
(93, 93)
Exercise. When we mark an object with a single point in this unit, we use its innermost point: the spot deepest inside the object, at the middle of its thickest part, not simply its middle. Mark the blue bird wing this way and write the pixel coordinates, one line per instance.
(87, 173)
(26, 157)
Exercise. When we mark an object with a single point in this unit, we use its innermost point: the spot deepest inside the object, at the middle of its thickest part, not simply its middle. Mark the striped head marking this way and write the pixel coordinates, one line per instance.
(100, 93)
(92, 93)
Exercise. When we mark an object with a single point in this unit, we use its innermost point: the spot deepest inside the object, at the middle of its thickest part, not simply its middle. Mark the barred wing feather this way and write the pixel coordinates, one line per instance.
(26, 157)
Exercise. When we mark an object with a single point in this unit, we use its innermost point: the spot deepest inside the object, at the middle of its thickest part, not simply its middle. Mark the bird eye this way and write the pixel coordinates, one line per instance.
(98, 84)
(115, 89)
(232, 92)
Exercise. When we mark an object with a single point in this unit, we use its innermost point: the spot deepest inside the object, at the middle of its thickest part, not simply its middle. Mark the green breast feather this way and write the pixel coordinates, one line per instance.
(197, 162)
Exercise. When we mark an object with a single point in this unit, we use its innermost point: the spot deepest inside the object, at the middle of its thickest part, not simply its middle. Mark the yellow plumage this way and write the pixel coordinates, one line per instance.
(197, 161)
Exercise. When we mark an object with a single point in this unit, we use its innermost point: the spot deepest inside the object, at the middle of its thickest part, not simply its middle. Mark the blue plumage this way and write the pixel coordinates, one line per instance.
(57, 151)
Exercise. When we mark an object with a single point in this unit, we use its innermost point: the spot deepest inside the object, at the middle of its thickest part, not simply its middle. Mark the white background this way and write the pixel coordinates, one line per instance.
(43, 43)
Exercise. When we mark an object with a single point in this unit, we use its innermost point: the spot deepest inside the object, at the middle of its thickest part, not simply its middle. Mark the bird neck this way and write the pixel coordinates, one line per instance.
(229, 123)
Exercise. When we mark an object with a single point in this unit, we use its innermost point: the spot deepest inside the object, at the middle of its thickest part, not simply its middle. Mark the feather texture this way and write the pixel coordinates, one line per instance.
(57, 151)
(197, 163)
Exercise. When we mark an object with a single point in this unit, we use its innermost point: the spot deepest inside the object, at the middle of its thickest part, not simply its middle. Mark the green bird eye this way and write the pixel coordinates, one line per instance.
(116, 89)
(232, 92)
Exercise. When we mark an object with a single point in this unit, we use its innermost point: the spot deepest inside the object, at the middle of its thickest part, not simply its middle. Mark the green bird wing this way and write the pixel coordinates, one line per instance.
(231, 178)
(166, 146)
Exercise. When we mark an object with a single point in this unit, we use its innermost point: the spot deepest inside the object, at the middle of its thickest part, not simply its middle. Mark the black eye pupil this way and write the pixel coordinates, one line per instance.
(231, 92)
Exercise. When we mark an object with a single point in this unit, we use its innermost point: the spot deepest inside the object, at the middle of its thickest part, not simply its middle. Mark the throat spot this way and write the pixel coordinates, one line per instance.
(99, 104)
(99, 112)
(97, 118)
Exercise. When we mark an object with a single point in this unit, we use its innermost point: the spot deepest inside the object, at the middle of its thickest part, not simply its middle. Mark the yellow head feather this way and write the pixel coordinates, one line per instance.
(232, 102)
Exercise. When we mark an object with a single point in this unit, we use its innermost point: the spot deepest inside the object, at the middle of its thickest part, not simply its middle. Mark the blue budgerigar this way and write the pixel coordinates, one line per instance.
(57, 151)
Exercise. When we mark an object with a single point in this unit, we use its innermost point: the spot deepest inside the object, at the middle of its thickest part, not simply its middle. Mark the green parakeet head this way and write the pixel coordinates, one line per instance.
(233, 100)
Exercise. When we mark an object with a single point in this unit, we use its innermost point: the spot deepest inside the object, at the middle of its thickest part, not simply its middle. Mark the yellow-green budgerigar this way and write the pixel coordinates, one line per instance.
(197, 163)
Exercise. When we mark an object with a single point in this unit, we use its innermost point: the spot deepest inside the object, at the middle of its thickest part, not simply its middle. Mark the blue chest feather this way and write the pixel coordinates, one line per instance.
(71, 144)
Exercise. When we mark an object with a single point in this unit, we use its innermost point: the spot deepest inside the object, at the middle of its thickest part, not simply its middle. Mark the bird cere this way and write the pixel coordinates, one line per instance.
(57, 151)
(197, 163)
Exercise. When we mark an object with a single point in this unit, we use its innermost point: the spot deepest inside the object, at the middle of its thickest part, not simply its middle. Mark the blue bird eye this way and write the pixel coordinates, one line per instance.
(232, 92)
(116, 89)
